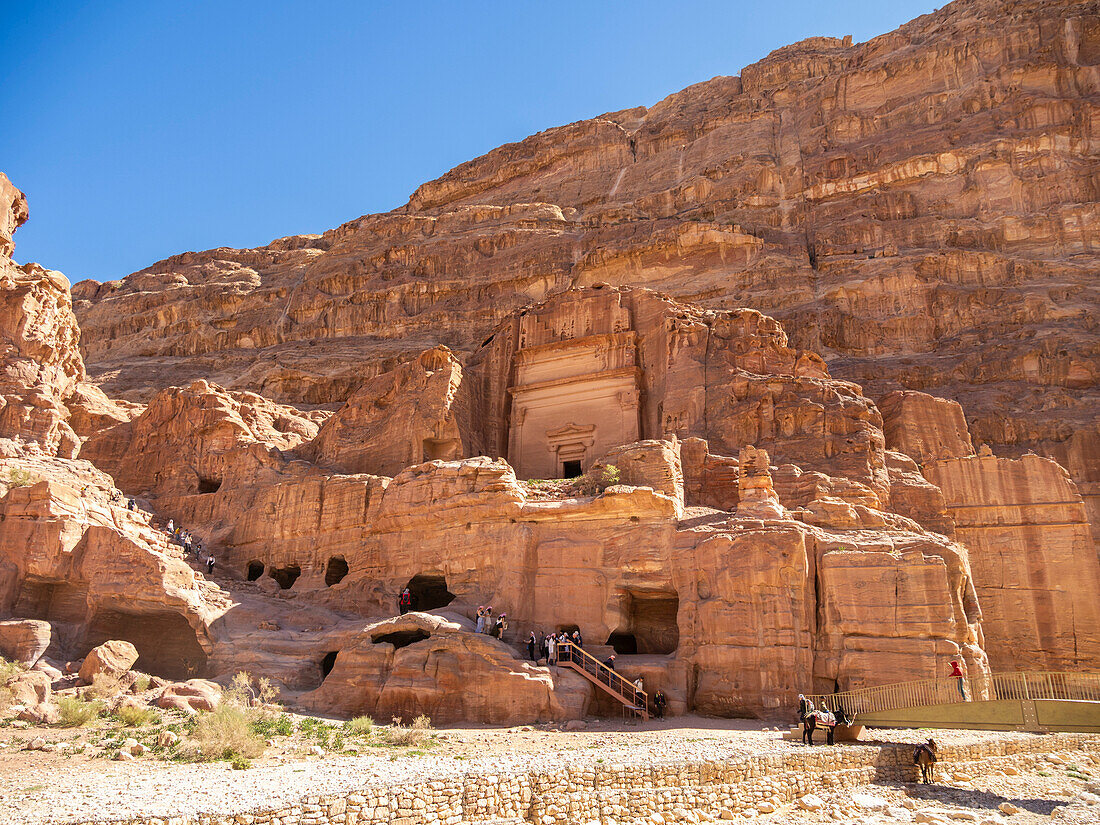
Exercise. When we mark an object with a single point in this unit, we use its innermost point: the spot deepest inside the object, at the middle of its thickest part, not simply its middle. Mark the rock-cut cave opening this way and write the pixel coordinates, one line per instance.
(429, 591)
(328, 663)
(648, 624)
(286, 576)
(335, 571)
(255, 570)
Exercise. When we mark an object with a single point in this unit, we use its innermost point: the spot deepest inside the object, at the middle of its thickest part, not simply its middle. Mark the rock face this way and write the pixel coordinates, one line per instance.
(399, 402)
(918, 208)
(1035, 565)
(400, 418)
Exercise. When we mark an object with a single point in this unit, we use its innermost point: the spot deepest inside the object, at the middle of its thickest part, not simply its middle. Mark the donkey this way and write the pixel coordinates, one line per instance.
(925, 756)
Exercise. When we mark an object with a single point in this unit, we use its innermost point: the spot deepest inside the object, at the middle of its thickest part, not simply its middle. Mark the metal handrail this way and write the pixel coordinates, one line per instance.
(616, 683)
(945, 691)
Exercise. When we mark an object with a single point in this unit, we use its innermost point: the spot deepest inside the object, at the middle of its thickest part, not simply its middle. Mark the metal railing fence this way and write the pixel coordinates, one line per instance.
(945, 690)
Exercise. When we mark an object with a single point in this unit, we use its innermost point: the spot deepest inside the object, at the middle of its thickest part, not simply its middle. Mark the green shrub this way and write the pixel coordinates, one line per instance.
(76, 713)
(359, 726)
(223, 733)
(18, 477)
(267, 726)
(133, 717)
(141, 684)
(239, 762)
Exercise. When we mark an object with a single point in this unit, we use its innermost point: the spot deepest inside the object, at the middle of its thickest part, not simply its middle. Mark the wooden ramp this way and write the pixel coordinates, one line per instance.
(609, 681)
(1039, 702)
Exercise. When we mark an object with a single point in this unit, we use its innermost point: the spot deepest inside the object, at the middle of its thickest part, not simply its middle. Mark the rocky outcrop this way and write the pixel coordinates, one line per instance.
(40, 365)
(419, 664)
(191, 440)
(400, 418)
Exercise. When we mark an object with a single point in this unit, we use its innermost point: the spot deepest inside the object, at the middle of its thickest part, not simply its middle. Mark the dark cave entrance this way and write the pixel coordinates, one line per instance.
(624, 643)
(429, 591)
(571, 469)
(255, 570)
(286, 576)
(209, 485)
(335, 571)
(648, 623)
(402, 638)
(328, 663)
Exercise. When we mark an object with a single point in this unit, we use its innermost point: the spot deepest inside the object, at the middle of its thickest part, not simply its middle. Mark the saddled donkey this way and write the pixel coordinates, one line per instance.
(925, 757)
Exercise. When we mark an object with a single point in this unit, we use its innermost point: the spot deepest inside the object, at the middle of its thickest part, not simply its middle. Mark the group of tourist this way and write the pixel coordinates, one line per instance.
(486, 624)
(547, 647)
(183, 538)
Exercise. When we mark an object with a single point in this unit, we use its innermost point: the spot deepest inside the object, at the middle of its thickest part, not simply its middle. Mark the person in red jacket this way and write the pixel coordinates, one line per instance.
(956, 673)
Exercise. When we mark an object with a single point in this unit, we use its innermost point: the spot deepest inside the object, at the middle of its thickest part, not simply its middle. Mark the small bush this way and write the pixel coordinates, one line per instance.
(248, 691)
(239, 762)
(419, 732)
(76, 713)
(598, 479)
(21, 478)
(133, 717)
(141, 684)
(267, 726)
(223, 733)
(359, 726)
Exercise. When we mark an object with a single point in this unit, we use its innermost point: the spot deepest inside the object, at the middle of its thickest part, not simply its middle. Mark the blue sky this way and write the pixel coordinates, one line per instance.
(140, 130)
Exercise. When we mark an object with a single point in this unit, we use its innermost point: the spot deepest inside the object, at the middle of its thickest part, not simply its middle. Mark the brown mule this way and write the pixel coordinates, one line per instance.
(925, 757)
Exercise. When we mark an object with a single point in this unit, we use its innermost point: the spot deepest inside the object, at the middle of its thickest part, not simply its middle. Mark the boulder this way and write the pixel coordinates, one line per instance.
(190, 696)
(113, 658)
(30, 687)
(24, 640)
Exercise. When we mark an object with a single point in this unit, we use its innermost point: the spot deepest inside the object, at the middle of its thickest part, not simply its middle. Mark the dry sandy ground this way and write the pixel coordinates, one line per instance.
(38, 787)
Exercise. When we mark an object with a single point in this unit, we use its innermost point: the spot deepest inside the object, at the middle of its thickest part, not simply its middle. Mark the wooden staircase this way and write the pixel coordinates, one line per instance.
(622, 689)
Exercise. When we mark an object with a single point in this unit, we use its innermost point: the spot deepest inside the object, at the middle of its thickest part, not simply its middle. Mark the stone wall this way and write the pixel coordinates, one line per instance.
(616, 792)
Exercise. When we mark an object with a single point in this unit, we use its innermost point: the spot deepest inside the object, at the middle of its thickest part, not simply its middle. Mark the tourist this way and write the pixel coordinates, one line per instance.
(609, 662)
(956, 673)
(552, 646)
(480, 619)
(404, 602)
(805, 707)
(544, 648)
(639, 685)
(531, 644)
(488, 628)
(659, 702)
(209, 564)
(171, 526)
(577, 638)
(131, 505)
(500, 626)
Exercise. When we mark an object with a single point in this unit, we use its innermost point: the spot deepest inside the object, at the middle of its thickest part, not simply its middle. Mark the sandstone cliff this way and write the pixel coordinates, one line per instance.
(918, 208)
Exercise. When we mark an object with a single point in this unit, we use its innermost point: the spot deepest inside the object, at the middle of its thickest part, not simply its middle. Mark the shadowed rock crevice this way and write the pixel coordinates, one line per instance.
(286, 576)
(401, 638)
